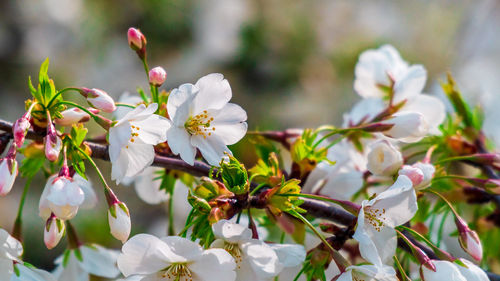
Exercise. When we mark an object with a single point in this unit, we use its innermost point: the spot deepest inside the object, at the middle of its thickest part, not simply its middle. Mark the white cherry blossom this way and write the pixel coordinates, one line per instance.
(420, 174)
(62, 196)
(472, 272)
(378, 217)
(96, 260)
(255, 260)
(202, 118)
(131, 141)
(174, 258)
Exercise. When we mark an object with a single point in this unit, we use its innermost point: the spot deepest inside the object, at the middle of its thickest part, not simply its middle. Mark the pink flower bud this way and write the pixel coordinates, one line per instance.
(99, 99)
(119, 221)
(72, 116)
(414, 174)
(53, 143)
(469, 240)
(157, 76)
(8, 171)
(136, 39)
(20, 129)
(53, 232)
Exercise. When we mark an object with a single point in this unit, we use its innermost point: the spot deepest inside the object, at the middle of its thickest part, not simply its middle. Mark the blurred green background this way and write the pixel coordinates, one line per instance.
(290, 63)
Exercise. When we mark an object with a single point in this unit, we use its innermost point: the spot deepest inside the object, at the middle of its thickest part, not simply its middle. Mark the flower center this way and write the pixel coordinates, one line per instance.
(235, 251)
(200, 125)
(134, 133)
(178, 272)
(375, 217)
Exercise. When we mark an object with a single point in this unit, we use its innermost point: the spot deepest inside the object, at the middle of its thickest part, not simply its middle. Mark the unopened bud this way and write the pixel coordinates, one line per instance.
(99, 99)
(384, 159)
(20, 129)
(53, 143)
(54, 231)
(119, 221)
(72, 116)
(157, 76)
(407, 126)
(8, 171)
(469, 240)
(136, 40)
(414, 174)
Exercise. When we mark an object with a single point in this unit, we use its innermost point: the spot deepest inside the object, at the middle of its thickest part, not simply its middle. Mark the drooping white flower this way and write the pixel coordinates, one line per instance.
(378, 217)
(407, 126)
(472, 272)
(384, 159)
(255, 260)
(64, 195)
(202, 118)
(8, 171)
(96, 260)
(445, 270)
(174, 258)
(119, 221)
(10, 251)
(53, 232)
(368, 272)
(131, 141)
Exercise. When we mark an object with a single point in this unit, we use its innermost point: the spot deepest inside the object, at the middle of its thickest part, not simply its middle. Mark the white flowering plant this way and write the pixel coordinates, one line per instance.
(372, 199)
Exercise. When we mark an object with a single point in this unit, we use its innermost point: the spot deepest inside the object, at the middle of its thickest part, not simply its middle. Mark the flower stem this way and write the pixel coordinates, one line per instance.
(124, 105)
(18, 222)
(353, 208)
(60, 93)
(341, 262)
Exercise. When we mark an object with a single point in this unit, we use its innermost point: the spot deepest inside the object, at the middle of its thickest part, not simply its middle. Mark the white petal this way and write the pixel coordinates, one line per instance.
(140, 156)
(6, 269)
(10, 248)
(214, 264)
(100, 261)
(119, 137)
(64, 191)
(212, 148)
(148, 189)
(231, 232)
(31, 274)
(445, 270)
(343, 184)
(262, 258)
(180, 143)
(152, 130)
(472, 272)
(231, 126)
(411, 84)
(182, 249)
(430, 107)
(180, 99)
(43, 205)
(214, 93)
(126, 98)
(290, 255)
(72, 271)
(365, 109)
(399, 202)
(119, 166)
(143, 254)
(90, 197)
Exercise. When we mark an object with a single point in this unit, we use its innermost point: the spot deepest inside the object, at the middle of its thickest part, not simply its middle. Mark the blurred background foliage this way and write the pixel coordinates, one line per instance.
(290, 63)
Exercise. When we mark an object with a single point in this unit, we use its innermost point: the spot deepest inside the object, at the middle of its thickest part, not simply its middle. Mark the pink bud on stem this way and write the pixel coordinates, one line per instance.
(137, 41)
(8, 170)
(53, 232)
(53, 143)
(469, 240)
(157, 76)
(98, 99)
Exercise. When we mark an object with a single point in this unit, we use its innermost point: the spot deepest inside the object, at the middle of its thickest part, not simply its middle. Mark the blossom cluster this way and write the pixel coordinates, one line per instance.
(389, 167)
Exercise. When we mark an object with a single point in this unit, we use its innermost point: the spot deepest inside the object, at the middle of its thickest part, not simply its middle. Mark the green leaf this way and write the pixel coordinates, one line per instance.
(234, 175)
(78, 134)
(168, 183)
(31, 166)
